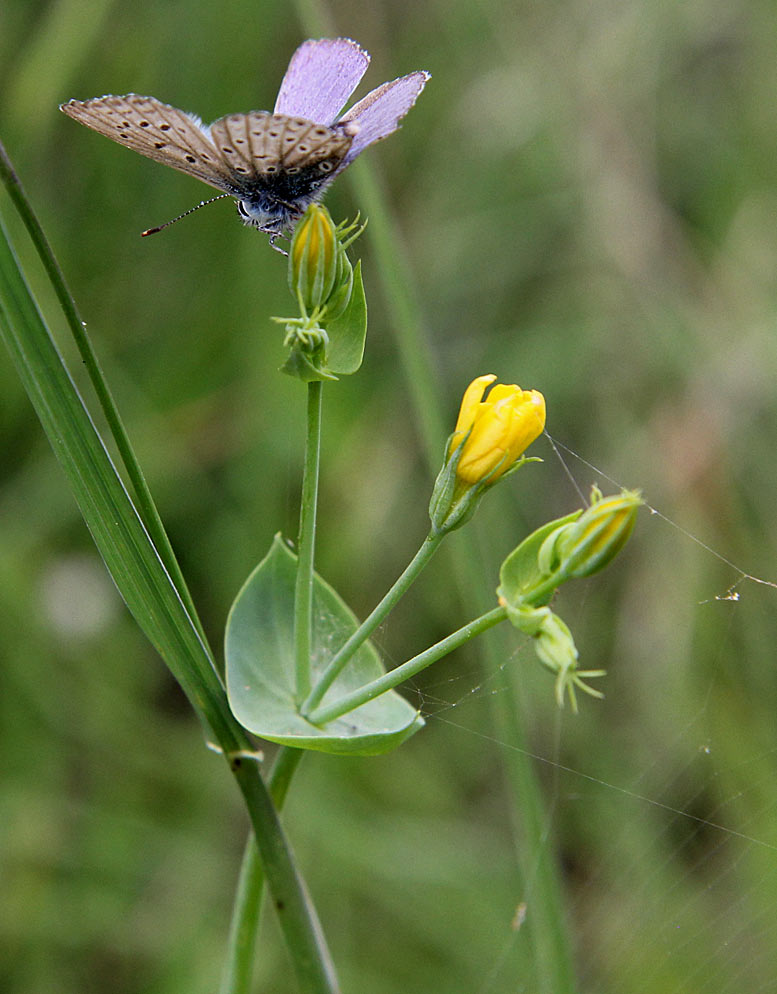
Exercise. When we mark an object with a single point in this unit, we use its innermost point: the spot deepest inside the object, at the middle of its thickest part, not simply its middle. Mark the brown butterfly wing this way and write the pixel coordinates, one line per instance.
(158, 131)
(260, 144)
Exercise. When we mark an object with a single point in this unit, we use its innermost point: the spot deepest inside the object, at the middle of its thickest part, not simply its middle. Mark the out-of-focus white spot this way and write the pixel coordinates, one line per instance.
(78, 598)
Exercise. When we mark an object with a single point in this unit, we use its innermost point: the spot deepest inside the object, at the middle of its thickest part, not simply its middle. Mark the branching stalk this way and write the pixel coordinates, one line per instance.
(368, 626)
(408, 669)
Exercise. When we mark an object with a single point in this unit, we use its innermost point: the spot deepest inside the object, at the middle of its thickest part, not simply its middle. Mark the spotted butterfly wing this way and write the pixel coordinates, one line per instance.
(279, 164)
(156, 130)
(273, 164)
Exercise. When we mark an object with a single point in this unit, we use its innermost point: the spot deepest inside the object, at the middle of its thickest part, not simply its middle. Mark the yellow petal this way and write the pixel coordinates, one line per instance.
(471, 401)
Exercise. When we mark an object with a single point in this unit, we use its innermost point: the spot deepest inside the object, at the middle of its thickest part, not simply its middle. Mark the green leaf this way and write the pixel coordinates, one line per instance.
(520, 572)
(261, 666)
(347, 333)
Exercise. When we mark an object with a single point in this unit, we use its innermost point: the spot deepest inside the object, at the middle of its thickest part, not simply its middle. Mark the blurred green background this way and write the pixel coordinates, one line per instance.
(586, 197)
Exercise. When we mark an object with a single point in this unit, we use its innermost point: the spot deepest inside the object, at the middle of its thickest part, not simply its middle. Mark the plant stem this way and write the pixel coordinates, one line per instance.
(303, 594)
(368, 626)
(238, 972)
(237, 976)
(300, 924)
(410, 668)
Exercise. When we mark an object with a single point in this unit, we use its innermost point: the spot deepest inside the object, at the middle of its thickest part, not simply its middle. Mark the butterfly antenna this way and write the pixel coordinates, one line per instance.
(203, 203)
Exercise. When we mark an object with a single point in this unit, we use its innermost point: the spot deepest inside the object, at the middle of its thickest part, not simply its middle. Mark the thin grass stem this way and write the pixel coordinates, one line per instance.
(145, 502)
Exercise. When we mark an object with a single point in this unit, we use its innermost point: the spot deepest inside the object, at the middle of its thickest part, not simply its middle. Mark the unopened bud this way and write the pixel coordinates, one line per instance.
(590, 543)
(495, 431)
(314, 261)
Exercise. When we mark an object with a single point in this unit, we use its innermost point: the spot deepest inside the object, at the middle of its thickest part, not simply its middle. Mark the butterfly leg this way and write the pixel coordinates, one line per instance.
(273, 236)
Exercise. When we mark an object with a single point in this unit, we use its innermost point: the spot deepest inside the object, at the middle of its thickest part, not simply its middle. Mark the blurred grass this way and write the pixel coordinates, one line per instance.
(587, 197)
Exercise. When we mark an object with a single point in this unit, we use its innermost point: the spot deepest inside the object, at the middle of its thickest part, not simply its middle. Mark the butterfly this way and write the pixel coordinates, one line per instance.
(274, 164)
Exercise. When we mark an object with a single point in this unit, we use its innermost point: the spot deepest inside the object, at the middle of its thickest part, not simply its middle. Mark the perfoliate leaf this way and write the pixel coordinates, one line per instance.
(260, 667)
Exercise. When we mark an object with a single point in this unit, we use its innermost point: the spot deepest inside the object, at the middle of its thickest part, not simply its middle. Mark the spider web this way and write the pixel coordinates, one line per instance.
(666, 838)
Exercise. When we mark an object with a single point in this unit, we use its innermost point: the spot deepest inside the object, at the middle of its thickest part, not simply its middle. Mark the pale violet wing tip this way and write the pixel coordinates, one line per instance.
(321, 77)
(380, 112)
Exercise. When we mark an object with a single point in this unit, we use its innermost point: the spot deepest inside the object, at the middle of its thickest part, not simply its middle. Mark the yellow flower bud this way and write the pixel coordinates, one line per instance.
(500, 428)
(314, 258)
(599, 534)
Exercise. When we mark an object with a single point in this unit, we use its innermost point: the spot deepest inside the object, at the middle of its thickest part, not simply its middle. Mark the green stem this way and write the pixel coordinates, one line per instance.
(298, 920)
(145, 501)
(368, 626)
(238, 972)
(399, 674)
(237, 977)
(303, 595)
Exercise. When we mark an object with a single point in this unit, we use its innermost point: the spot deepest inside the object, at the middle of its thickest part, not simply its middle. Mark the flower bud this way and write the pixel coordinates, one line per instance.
(554, 643)
(489, 438)
(314, 259)
(493, 433)
(588, 544)
(555, 649)
(343, 286)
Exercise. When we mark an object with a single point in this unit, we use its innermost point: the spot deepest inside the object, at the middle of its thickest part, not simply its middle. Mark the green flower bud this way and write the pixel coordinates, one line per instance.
(341, 293)
(314, 259)
(590, 543)
(555, 649)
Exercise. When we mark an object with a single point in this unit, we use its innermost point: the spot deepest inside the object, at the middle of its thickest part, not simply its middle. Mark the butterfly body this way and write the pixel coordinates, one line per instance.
(279, 165)
(274, 163)
(273, 203)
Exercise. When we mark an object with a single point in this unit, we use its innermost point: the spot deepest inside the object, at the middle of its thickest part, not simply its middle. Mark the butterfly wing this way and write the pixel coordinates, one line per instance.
(378, 114)
(158, 131)
(321, 77)
(259, 145)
